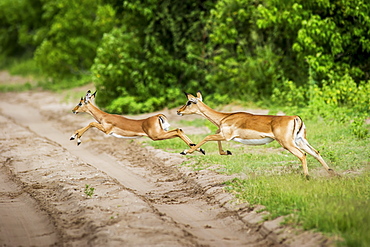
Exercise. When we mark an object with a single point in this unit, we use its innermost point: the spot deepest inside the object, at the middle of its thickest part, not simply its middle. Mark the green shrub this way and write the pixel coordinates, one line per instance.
(69, 46)
(20, 23)
(129, 83)
(151, 58)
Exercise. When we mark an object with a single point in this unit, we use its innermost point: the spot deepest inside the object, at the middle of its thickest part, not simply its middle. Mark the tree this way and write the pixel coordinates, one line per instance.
(75, 32)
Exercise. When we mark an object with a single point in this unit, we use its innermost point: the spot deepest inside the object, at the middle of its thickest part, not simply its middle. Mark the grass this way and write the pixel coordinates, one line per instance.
(16, 87)
(273, 177)
(338, 205)
(64, 83)
(28, 67)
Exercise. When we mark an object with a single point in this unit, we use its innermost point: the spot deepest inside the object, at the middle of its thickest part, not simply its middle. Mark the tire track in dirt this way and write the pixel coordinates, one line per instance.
(19, 212)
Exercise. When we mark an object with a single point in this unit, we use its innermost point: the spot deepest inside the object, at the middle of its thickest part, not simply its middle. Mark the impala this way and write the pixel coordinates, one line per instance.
(251, 129)
(155, 127)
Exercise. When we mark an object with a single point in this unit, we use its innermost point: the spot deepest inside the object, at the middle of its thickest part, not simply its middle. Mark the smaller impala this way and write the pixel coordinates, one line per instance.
(155, 127)
(251, 129)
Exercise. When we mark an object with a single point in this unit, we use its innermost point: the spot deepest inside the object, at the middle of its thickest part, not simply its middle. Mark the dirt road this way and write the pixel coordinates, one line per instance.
(142, 196)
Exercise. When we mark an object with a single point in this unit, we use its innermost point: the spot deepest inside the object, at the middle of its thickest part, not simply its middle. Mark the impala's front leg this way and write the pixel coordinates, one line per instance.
(78, 133)
(189, 142)
(216, 137)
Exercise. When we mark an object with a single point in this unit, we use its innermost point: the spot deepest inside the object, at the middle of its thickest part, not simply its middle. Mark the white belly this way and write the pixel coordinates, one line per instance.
(126, 137)
(261, 141)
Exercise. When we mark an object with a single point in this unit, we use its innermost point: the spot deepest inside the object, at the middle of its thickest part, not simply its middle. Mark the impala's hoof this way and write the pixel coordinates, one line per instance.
(333, 173)
(202, 151)
(228, 152)
(183, 153)
(72, 138)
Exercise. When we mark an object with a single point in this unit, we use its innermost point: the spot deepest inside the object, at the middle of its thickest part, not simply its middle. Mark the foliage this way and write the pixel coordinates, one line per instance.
(70, 43)
(19, 24)
(242, 65)
(128, 83)
(143, 65)
(340, 100)
(327, 36)
(142, 54)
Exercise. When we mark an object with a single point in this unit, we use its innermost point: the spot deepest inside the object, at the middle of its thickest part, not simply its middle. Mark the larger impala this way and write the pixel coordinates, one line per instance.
(251, 129)
(155, 127)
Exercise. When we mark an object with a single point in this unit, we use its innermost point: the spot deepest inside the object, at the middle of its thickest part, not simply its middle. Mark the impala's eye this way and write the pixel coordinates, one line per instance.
(188, 103)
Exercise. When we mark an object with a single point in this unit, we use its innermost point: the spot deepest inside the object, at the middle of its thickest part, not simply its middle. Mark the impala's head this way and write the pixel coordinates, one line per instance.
(191, 106)
(82, 105)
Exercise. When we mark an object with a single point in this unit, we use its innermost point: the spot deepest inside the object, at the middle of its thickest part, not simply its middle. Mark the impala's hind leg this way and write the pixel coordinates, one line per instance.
(161, 134)
(221, 151)
(301, 156)
(303, 144)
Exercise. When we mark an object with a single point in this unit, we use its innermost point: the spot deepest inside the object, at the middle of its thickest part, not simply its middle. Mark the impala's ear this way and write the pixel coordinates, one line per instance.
(199, 95)
(189, 96)
(89, 96)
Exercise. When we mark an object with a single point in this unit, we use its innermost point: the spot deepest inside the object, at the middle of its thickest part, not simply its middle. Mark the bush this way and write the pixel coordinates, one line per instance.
(20, 23)
(152, 57)
(70, 44)
(310, 53)
(131, 79)
(340, 99)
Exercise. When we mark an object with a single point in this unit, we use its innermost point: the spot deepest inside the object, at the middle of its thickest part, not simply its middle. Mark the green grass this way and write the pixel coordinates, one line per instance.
(339, 205)
(64, 83)
(273, 177)
(16, 87)
(28, 67)
(24, 67)
(20, 67)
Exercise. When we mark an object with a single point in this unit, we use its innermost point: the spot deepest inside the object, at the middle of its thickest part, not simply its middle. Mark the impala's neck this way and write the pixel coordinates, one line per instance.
(212, 115)
(95, 112)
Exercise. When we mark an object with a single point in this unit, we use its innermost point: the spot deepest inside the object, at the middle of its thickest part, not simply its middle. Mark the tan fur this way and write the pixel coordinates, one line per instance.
(120, 126)
(289, 131)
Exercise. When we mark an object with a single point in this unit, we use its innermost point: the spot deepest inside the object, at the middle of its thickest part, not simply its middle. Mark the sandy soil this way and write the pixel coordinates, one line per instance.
(142, 197)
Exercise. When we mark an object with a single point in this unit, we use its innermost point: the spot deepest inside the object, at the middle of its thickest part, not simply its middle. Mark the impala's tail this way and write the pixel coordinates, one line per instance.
(299, 127)
(164, 122)
(300, 137)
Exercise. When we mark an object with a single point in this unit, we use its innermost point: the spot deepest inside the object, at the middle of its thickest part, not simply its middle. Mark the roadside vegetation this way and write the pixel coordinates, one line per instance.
(309, 58)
